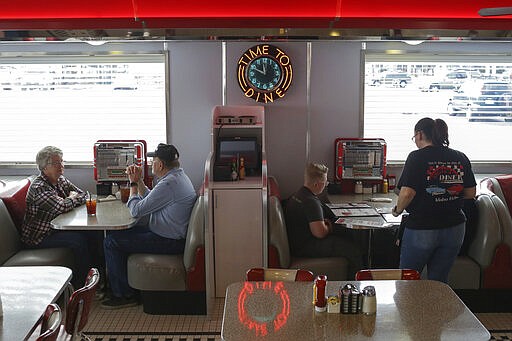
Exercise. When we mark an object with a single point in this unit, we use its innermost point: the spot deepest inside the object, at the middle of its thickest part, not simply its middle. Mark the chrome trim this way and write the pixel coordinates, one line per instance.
(264, 197)
(208, 239)
(224, 71)
(308, 101)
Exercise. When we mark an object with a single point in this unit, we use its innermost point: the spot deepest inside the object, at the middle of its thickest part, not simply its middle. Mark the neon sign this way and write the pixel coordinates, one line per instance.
(276, 320)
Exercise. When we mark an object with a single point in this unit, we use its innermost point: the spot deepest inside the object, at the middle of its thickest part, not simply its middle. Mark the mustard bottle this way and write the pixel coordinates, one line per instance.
(385, 186)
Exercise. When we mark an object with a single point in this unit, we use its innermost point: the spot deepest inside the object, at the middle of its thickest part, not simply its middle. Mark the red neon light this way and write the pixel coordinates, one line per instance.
(263, 328)
(98, 14)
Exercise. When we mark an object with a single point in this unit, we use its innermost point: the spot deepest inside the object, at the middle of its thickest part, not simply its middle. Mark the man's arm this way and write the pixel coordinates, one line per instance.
(321, 228)
(160, 196)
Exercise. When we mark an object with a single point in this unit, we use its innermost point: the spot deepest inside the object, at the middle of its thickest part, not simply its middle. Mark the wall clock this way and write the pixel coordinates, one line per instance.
(264, 73)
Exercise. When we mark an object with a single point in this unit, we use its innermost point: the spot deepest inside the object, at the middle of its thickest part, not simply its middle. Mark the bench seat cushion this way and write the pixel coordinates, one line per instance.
(35, 257)
(465, 274)
(334, 267)
(156, 272)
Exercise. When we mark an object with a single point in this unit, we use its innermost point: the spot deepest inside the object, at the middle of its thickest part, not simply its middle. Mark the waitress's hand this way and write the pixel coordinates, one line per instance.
(394, 212)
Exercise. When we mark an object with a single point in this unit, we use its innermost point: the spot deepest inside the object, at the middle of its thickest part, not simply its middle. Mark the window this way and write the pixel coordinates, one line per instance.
(73, 101)
(473, 94)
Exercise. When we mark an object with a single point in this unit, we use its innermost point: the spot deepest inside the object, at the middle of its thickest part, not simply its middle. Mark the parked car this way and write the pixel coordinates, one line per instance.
(459, 102)
(493, 100)
(398, 79)
(451, 81)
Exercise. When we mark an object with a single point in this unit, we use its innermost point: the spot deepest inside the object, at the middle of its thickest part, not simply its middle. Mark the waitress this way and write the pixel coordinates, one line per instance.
(434, 183)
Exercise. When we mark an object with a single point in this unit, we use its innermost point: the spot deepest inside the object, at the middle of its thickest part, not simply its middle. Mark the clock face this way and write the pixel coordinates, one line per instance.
(264, 73)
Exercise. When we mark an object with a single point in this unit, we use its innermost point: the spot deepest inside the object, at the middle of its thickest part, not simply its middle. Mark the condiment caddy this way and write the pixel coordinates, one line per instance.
(349, 299)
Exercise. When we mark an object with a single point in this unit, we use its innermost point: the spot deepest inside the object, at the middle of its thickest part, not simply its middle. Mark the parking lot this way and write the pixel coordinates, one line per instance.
(392, 112)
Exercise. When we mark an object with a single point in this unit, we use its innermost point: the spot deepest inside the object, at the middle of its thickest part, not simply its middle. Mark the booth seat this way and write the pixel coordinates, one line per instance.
(279, 251)
(468, 271)
(174, 284)
(12, 210)
(499, 275)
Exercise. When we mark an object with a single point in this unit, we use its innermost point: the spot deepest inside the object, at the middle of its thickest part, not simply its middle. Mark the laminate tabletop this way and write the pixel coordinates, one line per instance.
(406, 310)
(110, 215)
(25, 292)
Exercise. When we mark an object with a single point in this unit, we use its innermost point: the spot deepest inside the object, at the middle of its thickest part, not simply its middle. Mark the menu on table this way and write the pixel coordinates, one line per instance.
(363, 222)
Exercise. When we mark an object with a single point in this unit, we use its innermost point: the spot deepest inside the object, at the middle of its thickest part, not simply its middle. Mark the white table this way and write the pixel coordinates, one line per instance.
(110, 215)
(381, 207)
(25, 292)
(420, 310)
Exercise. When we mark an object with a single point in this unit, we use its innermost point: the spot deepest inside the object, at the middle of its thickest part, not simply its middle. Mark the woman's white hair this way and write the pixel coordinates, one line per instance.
(44, 156)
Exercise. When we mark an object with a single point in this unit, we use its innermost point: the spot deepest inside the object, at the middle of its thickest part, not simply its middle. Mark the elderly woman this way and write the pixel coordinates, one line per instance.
(49, 195)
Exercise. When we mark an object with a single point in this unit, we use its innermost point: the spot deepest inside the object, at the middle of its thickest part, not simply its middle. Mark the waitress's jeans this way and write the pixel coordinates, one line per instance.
(437, 249)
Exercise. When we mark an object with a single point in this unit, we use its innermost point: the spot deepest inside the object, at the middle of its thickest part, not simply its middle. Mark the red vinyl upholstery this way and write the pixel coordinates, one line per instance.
(79, 305)
(50, 326)
(499, 274)
(273, 188)
(15, 200)
(268, 274)
(505, 182)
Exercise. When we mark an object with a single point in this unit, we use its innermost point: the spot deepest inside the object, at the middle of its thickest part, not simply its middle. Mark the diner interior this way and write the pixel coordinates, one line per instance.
(107, 83)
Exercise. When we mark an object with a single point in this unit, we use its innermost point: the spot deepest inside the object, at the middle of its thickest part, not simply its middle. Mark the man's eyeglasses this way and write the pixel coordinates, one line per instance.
(61, 163)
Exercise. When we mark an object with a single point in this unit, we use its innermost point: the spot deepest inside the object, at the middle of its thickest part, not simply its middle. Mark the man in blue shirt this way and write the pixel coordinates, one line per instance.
(163, 214)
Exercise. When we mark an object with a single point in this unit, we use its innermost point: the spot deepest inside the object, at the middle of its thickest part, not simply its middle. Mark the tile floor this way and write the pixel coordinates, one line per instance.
(132, 324)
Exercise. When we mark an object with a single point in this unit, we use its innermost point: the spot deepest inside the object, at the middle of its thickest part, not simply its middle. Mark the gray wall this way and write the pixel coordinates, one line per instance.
(195, 87)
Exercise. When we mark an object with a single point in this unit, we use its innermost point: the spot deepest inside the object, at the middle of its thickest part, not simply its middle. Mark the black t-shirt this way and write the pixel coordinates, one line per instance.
(302, 208)
(439, 176)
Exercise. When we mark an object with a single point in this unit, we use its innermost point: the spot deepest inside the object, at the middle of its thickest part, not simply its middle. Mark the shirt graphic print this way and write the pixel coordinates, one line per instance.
(444, 180)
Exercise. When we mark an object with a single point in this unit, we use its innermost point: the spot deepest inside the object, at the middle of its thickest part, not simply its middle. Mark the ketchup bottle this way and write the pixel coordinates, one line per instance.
(320, 298)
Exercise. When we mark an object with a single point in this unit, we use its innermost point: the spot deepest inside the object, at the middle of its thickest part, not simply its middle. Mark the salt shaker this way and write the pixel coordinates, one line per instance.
(115, 188)
(358, 188)
(369, 301)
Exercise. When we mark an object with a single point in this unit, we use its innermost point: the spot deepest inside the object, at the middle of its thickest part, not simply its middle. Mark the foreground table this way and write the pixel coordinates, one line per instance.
(25, 292)
(406, 310)
(110, 215)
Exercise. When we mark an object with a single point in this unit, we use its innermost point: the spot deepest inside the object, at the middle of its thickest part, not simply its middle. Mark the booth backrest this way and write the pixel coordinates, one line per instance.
(15, 201)
(502, 187)
(9, 236)
(499, 274)
(279, 250)
(273, 188)
(194, 253)
(488, 232)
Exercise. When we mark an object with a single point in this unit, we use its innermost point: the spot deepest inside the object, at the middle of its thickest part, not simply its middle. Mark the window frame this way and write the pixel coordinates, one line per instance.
(423, 52)
(111, 55)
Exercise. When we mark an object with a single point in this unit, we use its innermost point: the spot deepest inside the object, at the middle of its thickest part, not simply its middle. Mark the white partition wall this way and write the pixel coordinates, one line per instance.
(236, 232)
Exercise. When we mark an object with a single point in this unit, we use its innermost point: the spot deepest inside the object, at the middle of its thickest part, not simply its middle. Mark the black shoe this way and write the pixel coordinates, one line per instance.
(119, 302)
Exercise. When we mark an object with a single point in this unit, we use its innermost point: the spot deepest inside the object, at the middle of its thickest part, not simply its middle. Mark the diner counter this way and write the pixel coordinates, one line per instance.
(406, 310)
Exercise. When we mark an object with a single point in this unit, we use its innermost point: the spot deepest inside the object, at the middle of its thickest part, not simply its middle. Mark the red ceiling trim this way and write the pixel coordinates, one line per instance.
(340, 23)
(132, 14)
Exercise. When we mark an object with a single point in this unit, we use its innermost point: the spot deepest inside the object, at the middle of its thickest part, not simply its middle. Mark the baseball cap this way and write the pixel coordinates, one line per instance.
(165, 152)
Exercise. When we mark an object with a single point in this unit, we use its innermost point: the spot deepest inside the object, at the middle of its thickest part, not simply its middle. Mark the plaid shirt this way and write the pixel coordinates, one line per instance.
(45, 202)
